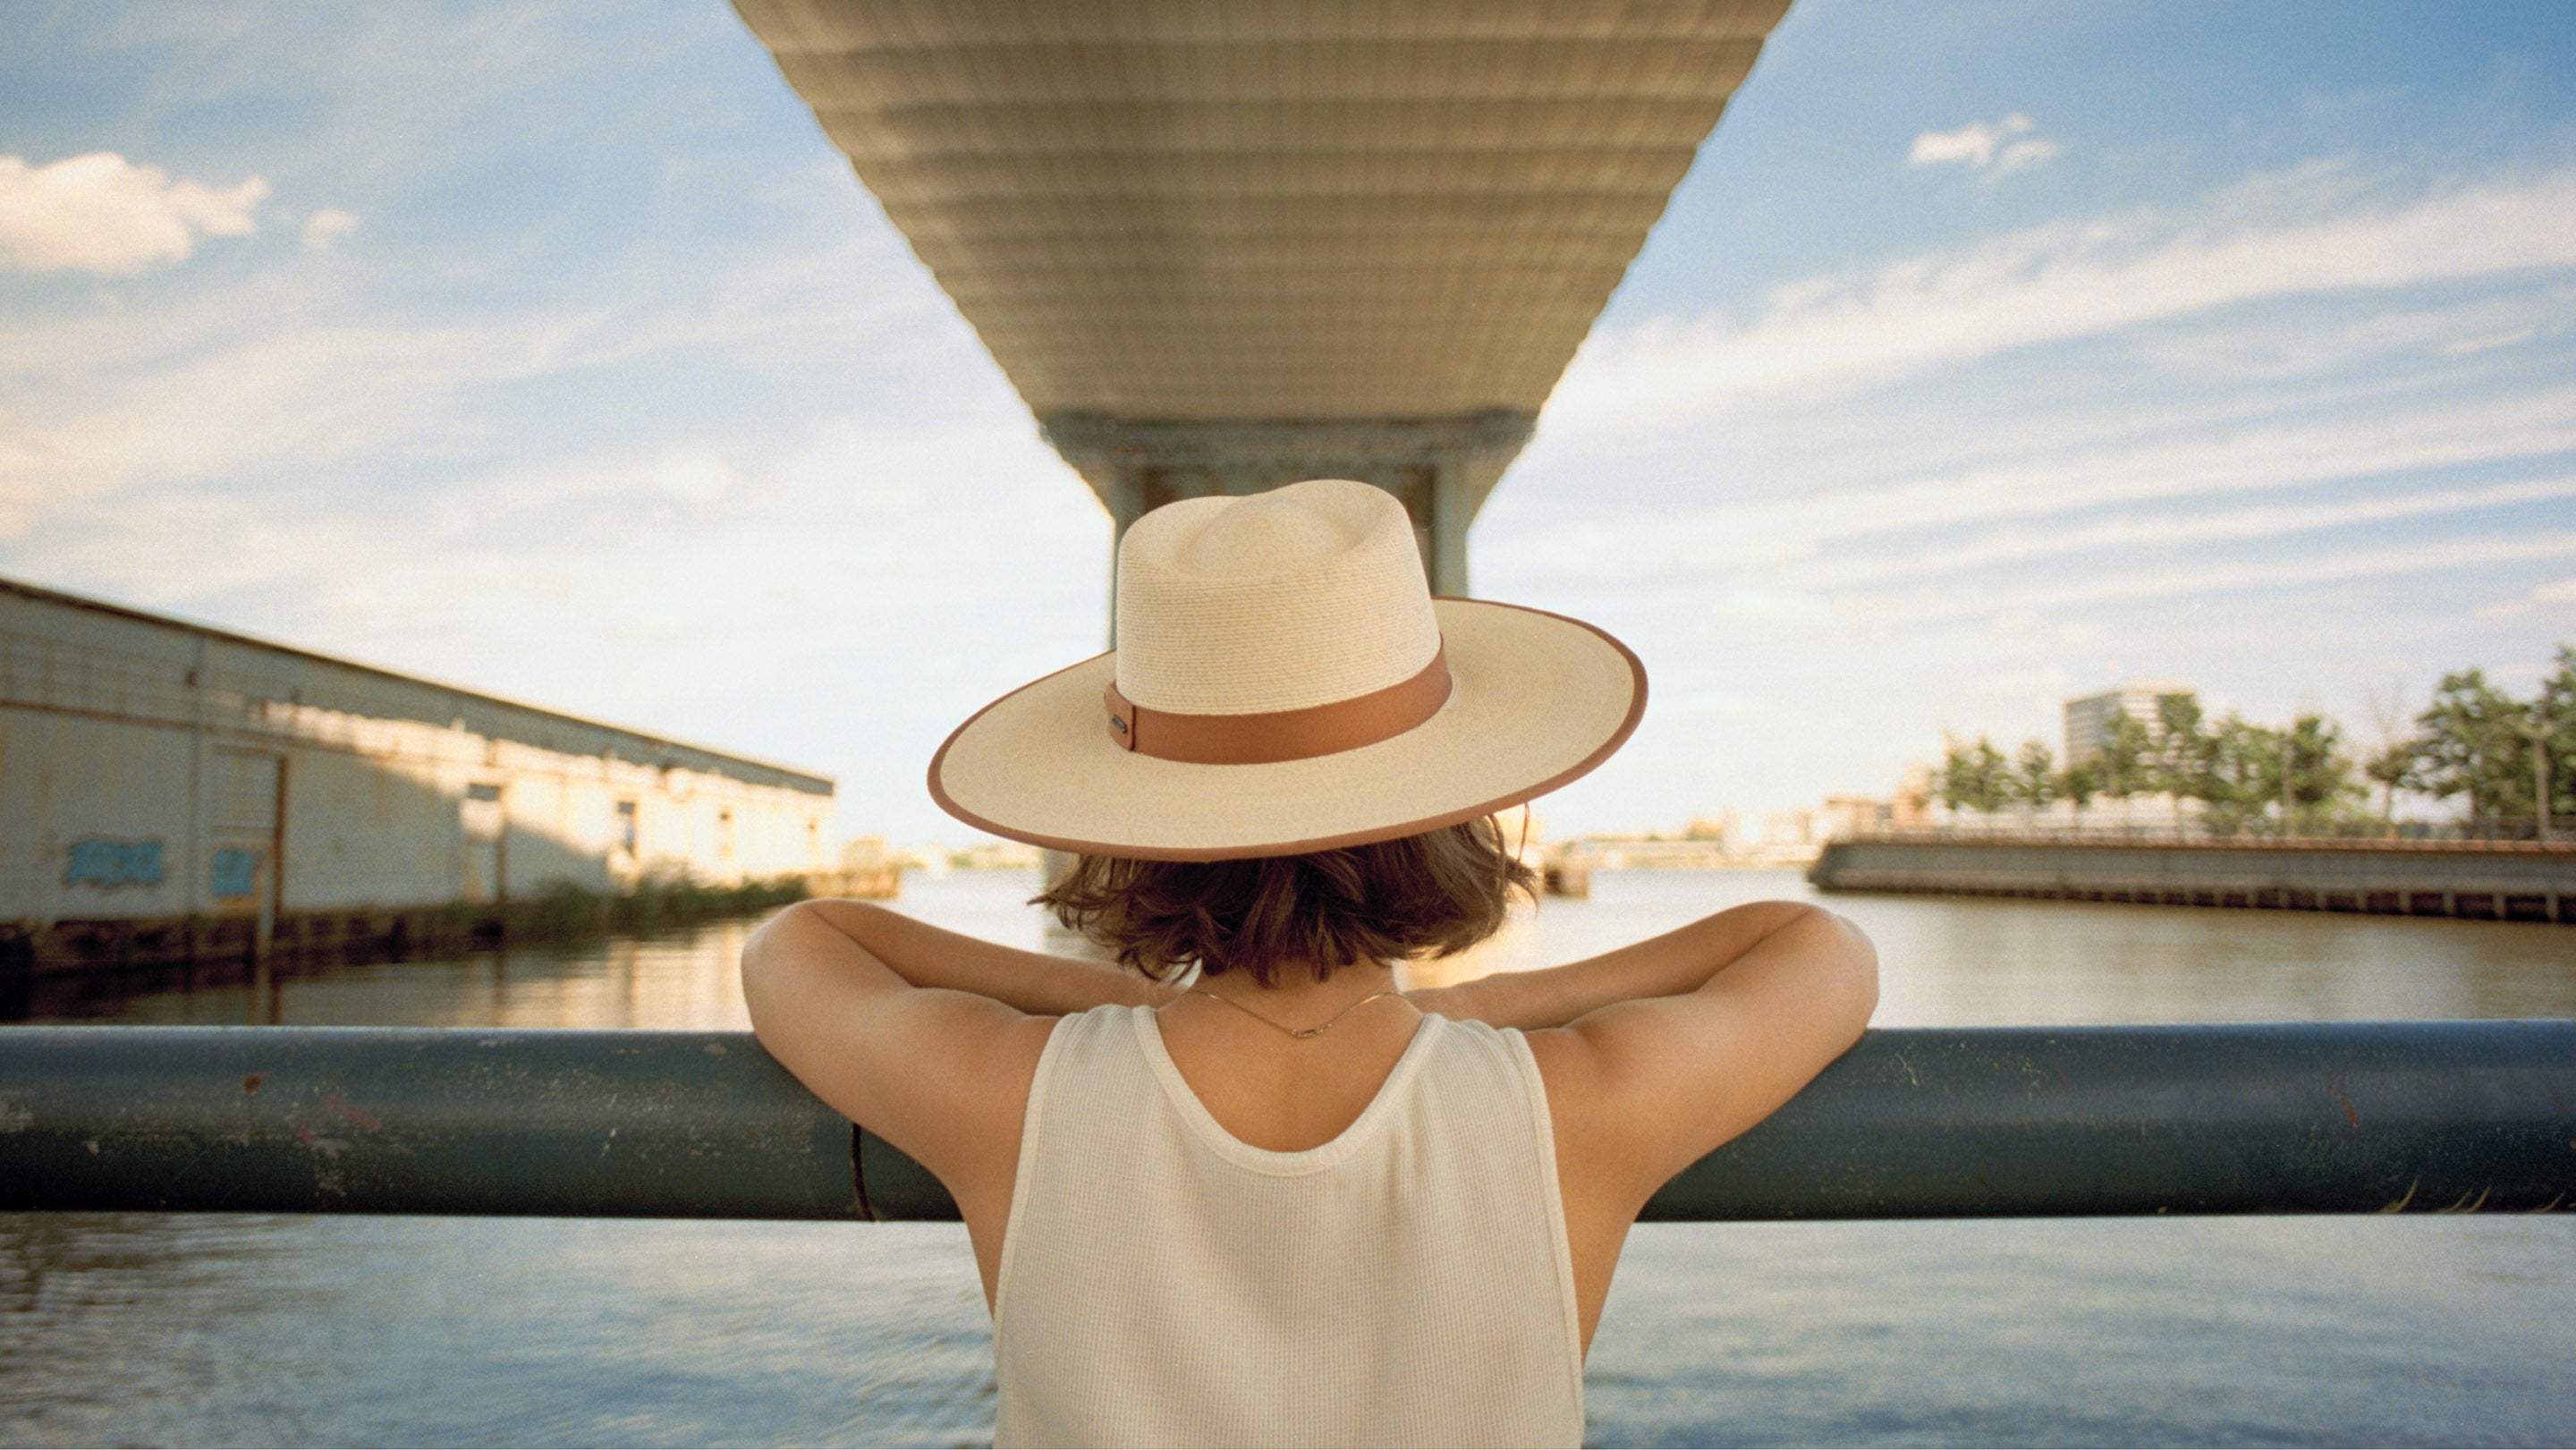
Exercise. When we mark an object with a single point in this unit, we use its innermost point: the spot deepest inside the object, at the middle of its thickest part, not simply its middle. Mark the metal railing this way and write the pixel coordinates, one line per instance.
(2464, 838)
(1915, 1123)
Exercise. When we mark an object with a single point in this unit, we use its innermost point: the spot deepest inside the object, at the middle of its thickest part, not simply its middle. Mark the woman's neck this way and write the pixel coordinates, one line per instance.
(1296, 984)
(1296, 1002)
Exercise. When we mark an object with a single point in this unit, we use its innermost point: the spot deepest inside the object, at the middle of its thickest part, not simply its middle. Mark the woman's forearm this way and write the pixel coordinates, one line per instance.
(1682, 960)
(928, 956)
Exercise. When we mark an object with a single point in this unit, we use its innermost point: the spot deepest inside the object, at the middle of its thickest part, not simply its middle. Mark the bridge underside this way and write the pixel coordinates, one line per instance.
(1220, 247)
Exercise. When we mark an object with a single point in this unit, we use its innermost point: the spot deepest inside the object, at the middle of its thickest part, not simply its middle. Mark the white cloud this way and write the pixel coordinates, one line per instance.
(289, 372)
(2463, 347)
(2261, 349)
(112, 403)
(699, 480)
(2056, 482)
(102, 214)
(2129, 533)
(2546, 596)
(2058, 282)
(326, 227)
(2023, 155)
(2006, 146)
(2271, 574)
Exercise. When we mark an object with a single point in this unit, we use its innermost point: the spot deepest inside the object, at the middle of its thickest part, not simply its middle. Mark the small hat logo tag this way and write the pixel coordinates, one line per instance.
(1122, 717)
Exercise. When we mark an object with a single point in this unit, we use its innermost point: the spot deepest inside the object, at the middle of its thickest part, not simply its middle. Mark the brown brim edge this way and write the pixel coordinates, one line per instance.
(1393, 832)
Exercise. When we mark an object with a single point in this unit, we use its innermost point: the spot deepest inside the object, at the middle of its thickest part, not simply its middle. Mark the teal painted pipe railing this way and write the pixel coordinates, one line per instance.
(2003, 1122)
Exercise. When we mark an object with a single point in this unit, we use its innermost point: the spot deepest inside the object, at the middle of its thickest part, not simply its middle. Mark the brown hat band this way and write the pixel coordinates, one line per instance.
(1280, 734)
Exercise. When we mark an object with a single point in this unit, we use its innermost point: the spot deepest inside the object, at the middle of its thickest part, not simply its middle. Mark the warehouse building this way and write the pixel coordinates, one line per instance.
(166, 783)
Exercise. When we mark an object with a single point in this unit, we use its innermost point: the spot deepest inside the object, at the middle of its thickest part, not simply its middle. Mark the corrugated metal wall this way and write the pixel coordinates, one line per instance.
(151, 768)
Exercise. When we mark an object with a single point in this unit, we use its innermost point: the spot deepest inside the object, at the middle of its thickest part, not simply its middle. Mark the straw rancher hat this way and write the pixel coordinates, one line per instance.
(1284, 682)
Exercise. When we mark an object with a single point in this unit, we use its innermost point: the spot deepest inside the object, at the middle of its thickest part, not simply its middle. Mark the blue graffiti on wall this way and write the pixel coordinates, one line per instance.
(107, 863)
(236, 872)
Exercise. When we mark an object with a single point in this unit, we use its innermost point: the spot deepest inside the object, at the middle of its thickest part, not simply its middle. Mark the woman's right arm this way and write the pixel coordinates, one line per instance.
(1679, 961)
(925, 1036)
(1657, 1053)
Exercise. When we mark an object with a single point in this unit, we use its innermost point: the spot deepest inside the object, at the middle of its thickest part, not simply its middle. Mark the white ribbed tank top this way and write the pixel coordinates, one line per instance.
(1165, 1283)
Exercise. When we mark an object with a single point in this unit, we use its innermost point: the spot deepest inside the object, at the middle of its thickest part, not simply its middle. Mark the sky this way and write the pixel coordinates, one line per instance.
(1992, 353)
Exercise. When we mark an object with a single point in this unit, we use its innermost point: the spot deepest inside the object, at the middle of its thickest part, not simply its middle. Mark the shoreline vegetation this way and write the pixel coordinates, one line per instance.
(556, 911)
(562, 909)
(2510, 762)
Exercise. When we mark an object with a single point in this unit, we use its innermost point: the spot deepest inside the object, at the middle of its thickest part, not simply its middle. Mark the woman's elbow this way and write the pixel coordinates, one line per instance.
(764, 955)
(1841, 965)
(1855, 970)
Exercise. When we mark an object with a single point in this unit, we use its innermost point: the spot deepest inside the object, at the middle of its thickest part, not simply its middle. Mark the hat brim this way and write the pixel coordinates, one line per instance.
(1536, 700)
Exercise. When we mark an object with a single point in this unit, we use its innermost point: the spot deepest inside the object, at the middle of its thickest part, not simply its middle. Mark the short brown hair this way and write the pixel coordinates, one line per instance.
(1430, 895)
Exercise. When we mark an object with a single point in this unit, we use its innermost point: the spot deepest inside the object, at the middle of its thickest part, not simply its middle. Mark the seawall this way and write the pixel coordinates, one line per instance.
(2501, 881)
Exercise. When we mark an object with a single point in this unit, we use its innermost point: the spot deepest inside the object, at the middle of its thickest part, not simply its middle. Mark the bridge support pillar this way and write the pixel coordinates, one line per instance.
(1440, 468)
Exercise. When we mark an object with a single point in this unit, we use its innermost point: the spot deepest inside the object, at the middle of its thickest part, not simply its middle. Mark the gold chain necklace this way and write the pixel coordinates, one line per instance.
(1300, 1033)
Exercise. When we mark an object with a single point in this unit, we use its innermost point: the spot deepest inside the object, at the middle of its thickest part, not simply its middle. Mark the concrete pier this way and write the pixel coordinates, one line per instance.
(2481, 881)
(1440, 468)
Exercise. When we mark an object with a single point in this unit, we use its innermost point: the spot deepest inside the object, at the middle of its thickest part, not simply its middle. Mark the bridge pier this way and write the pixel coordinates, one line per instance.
(1440, 468)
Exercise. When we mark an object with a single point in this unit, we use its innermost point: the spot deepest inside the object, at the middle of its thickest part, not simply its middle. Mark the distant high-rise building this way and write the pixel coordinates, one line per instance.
(2090, 720)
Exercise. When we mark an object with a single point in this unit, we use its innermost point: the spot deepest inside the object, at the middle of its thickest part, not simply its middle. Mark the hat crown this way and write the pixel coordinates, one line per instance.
(1303, 596)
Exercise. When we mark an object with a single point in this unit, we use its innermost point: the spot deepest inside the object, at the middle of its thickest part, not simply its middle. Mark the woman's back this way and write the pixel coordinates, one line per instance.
(1285, 775)
(1407, 1282)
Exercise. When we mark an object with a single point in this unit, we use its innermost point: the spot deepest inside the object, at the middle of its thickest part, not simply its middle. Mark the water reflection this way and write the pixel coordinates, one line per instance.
(678, 982)
(1945, 963)
(207, 1329)
(1991, 962)
(136, 1329)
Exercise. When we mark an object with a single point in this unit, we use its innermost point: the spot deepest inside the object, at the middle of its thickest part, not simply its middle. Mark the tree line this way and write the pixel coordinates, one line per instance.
(2511, 762)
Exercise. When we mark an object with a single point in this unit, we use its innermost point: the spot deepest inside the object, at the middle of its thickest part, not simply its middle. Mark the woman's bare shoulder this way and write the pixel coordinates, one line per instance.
(1644, 1085)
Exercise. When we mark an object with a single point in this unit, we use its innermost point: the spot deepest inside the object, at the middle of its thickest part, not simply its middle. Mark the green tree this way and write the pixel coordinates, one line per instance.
(2235, 774)
(2554, 712)
(1974, 777)
(2184, 753)
(2079, 782)
(2033, 780)
(2313, 778)
(2125, 765)
(2390, 768)
(2473, 744)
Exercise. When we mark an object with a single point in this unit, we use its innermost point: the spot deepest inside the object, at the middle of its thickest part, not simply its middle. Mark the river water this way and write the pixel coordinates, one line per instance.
(154, 1329)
